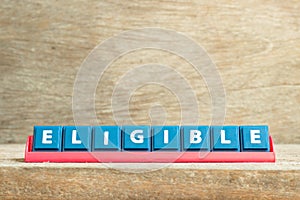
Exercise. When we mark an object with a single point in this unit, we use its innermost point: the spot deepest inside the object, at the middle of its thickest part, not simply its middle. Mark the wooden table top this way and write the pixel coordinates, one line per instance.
(280, 180)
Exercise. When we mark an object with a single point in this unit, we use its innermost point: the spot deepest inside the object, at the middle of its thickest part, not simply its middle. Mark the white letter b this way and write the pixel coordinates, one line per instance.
(195, 136)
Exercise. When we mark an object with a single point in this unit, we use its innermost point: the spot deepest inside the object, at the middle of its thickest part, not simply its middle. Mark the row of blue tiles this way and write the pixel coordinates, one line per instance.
(151, 138)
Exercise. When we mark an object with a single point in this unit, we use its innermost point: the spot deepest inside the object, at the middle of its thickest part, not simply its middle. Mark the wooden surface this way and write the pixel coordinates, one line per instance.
(255, 45)
(280, 180)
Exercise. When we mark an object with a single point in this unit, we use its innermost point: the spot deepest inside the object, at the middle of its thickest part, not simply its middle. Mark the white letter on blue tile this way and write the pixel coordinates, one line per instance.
(223, 139)
(195, 136)
(74, 140)
(255, 138)
(166, 136)
(139, 139)
(105, 138)
(47, 134)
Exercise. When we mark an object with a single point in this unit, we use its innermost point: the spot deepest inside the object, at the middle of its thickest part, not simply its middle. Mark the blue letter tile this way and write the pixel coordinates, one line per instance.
(225, 138)
(255, 138)
(77, 138)
(136, 138)
(196, 138)
(166, 138)
(107, 138)
(47, 138)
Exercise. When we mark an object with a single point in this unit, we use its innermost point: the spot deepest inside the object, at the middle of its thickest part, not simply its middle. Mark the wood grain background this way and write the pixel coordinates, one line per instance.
(255, 45)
